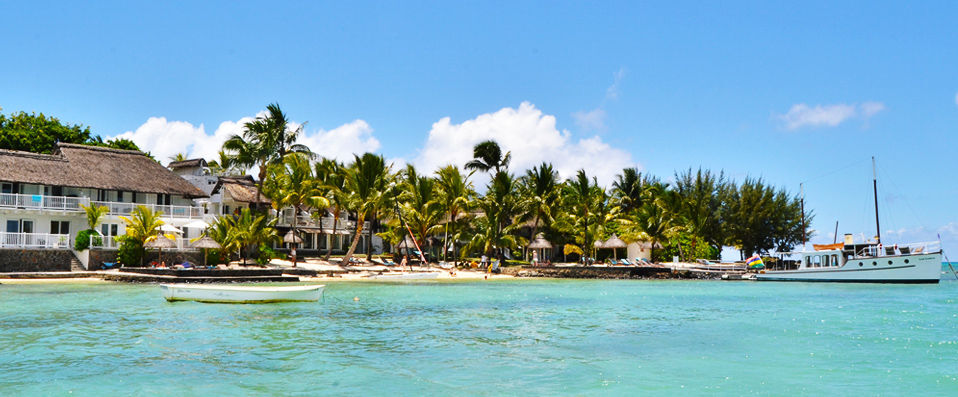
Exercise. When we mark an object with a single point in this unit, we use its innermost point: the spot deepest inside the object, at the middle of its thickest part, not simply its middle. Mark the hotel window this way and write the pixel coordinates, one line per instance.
(108, 229)
(59, 227)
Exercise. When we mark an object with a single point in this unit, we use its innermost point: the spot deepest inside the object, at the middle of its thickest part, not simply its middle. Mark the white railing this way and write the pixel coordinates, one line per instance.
(110, 242)
(34, 240)
(61, 203)
(171, 211)
(325, 223)
(899, 249)
(41, 202)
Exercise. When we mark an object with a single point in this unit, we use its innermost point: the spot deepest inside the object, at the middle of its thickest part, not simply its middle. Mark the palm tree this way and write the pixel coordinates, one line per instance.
(291, 184)
(265, 141)
(654, 221)
(94, 214)
(368, 187)
(500, 206)
(253, 231)
(421, 204)
(223, 232)
(539, 193)
(331, 175)
(581, 192)
(487, 155)
(628, 189)
(455, 191)
(178, 157)
(224, 165)
(142, 225)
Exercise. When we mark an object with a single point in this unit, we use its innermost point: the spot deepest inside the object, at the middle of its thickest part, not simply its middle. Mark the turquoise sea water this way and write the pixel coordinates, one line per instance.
(530, 337)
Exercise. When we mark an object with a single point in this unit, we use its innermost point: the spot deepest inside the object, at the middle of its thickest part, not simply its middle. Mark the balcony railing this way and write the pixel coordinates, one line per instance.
(34, 240)
(325, 223)
(60, 203)
(172, 211)
(41, 202)
(110, 242)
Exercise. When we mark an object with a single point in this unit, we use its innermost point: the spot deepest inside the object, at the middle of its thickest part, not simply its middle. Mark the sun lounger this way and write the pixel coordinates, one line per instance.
(108, 265)
(625, 262)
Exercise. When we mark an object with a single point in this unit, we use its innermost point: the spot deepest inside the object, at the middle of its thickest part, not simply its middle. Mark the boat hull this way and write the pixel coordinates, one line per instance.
(241, 294)
(905, 269)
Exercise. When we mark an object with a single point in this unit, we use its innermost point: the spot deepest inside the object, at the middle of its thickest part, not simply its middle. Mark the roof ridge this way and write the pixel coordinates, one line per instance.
(98, 148)
(39, 156)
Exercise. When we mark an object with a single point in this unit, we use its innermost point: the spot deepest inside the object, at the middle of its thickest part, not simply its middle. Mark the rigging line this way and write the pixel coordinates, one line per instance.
(904, 198)
(834, 171)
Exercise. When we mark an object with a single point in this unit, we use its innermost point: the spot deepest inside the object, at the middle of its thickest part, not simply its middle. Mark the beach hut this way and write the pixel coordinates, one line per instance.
(540, 244)
(160, 242)
(293, 239)
(614, 243)
(205, 243)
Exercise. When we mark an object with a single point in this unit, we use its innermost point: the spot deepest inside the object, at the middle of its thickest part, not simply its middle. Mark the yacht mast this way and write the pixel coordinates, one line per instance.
(875, 188)
(801, 188)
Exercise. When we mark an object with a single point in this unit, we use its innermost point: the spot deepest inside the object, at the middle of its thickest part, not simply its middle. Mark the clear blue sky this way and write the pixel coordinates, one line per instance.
(791, 93)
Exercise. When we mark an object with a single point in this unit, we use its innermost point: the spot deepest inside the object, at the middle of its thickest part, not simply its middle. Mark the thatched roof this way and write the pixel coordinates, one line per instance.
(240, 188)
(94, 167)
(191, 163)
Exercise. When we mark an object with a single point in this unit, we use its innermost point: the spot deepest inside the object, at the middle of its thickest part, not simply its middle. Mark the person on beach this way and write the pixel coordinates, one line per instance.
(535, 258)
(484, 262)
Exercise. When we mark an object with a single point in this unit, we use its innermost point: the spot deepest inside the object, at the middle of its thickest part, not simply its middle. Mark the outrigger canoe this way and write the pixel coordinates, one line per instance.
(241, 294)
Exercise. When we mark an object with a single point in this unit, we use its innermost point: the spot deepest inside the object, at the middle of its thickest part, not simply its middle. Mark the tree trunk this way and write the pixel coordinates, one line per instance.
(369, 240)
(535, 230)
(329, 248)
(293, 245)
(359, 232)
(445, 241)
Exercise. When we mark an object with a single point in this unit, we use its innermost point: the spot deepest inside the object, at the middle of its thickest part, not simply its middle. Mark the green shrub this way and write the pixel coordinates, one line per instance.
(82, 241)
(266, 254)
(130, 252)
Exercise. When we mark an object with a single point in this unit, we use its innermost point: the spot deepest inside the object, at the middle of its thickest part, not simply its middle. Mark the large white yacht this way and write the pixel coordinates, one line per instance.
(864, 263)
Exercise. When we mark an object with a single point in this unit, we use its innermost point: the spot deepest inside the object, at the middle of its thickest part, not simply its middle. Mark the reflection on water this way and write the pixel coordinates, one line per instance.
(509, 337)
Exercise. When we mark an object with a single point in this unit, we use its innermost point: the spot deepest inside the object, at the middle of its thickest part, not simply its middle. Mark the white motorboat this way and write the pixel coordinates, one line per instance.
(864, 263)
(241, 294)
(402, 276)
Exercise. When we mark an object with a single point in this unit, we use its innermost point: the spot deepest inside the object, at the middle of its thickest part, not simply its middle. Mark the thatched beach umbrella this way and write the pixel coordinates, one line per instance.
(292, 238)
(205, 243)
(615, 243)
(159, 242)
(540, 244)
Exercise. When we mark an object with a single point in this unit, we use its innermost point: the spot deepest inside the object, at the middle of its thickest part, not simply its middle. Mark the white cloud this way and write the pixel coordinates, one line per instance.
(802, 115)
(530, 135)
(164, 138)
(590, 121)
(612, 92)
(355, 137)
(869, 109)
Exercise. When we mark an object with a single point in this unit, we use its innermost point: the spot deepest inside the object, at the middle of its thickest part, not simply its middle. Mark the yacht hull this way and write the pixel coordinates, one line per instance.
(903, 269)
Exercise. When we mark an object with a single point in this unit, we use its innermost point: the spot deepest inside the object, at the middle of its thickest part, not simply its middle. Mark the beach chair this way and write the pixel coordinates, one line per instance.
(108, 265)
(625, 262)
